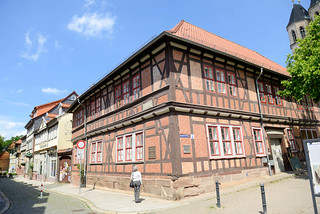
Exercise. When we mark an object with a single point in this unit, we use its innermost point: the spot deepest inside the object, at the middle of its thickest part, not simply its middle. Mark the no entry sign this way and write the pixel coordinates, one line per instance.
(81, 144)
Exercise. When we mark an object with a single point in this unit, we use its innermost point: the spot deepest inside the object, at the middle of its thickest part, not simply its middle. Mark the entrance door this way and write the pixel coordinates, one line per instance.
(65, 169)
(277, 155)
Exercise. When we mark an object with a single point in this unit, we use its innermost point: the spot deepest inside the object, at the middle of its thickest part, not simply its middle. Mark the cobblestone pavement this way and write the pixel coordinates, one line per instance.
(285, 196)
(25, 198)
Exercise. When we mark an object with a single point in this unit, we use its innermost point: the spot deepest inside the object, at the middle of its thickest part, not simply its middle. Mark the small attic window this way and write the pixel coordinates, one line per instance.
(302, 32)
(294, 36)
(73, 97)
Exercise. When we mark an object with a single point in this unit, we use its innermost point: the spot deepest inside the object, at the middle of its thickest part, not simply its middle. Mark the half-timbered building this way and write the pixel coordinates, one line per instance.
(185, 109)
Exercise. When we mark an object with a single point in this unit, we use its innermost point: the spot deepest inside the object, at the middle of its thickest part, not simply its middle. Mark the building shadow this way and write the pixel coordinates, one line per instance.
(23, 197)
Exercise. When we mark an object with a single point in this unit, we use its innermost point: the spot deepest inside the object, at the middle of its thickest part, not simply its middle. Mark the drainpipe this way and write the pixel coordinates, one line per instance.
(86, 140)
(261, 120)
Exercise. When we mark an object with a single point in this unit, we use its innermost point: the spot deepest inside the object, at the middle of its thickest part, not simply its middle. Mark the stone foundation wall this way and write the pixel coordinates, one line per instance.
(183, 187)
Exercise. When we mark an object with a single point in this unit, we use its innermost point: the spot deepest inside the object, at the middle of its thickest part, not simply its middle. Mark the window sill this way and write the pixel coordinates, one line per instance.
(226, 157)
(133, 162)
(95, 163)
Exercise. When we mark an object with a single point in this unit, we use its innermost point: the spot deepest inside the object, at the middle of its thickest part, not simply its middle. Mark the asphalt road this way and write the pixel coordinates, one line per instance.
(25, 198)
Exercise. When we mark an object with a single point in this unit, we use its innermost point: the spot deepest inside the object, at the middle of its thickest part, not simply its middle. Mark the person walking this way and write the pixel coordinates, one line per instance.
(137, 182)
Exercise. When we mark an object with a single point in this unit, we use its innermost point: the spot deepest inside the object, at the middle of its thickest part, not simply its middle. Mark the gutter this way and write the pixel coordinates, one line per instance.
(261, 121)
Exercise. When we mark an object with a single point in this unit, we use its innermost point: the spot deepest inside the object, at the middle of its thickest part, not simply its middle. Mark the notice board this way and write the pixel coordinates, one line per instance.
(314, 156)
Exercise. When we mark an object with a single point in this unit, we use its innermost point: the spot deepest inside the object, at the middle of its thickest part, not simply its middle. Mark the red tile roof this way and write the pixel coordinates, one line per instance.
(19, 141)
(65, 105)
(41, 109)
(193, 33)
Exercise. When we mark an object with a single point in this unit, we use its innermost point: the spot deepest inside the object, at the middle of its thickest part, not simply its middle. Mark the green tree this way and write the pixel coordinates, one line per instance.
(5, 143)
(304, 66)
(1, 143)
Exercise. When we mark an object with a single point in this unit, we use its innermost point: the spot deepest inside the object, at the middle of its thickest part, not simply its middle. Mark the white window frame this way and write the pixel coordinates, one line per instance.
(221, 154)
(96, 152)
(133, 148)
(263, 154)
(55, 168)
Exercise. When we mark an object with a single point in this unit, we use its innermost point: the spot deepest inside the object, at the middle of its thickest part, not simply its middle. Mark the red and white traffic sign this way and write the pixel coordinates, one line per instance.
(81, 144)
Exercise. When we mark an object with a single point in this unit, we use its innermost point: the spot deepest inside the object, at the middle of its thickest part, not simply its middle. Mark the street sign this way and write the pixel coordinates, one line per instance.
(81, 144)
(80, 154)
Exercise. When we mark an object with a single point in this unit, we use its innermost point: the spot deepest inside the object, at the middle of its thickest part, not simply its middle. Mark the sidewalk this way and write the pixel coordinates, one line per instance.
(244, 198)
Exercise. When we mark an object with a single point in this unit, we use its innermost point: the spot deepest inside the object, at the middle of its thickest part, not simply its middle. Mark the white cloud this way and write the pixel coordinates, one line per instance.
(53, 91)
(20, 91)
(89, 3)
(33, 51)
(10, 128)
(93, 24)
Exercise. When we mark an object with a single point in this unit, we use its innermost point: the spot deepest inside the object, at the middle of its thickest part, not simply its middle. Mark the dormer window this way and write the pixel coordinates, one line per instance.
(302, 32)
(294, 36)
(73, 97)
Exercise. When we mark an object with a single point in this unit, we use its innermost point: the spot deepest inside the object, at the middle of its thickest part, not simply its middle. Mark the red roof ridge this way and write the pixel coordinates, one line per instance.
(177, 27)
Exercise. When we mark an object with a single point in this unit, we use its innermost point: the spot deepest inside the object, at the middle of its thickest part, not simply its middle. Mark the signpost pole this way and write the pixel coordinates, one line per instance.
(306, 150)
(80, 176)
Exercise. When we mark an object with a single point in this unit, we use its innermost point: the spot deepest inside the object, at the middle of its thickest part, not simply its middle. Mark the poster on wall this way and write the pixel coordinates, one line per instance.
(314, 156)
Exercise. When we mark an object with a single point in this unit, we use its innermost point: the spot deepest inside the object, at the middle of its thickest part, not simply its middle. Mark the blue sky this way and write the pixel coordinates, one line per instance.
(50, 48)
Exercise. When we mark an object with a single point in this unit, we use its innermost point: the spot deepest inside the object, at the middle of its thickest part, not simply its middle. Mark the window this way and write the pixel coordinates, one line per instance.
(316, 13)
(78, 118)
(93, 107)
(53, 168)
(98, 104)
(96, 152)
(294, 36)
(291, 140)
(136, 86)
(118, 96)
(130, 147)
(139, 147)
(214, 141)
(309, 134)
(208, 75)
(278, 99)
(262, 92)
(120, 149)
(232, 84)
(302, 32)
(221, 81)
(269, 94)
(258, 142)
(237, 141)
(225, 141)
(305, 103)
(126, 92)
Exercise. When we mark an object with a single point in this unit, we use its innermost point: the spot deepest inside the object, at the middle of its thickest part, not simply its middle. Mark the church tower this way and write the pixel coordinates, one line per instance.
(314, 9)
(299, 20)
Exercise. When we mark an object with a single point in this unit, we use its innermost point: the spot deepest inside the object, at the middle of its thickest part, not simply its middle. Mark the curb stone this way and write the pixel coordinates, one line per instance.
(7, 202)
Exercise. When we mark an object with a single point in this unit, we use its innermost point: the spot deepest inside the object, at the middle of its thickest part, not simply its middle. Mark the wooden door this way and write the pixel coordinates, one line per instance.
(65, 170)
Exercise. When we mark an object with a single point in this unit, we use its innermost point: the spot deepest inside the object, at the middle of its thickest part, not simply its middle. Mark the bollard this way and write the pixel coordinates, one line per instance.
(41, 190)
(218, 194)
(263, 196)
